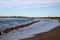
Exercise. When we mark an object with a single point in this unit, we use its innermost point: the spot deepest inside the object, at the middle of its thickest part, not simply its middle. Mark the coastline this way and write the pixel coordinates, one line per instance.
(51, 35)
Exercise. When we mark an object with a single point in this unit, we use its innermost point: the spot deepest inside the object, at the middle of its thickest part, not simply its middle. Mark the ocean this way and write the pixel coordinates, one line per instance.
(12, 22)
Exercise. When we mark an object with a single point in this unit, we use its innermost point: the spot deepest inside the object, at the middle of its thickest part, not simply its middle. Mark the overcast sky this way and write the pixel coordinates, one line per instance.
(35, 8)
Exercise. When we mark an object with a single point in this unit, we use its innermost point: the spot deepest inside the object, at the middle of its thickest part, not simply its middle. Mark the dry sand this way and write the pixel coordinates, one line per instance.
(51, 35)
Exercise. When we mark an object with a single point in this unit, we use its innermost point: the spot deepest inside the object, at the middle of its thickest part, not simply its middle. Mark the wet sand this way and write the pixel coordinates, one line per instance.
(51, 35)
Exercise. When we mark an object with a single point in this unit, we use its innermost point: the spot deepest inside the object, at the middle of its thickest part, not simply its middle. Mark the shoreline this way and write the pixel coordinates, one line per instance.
(49, 35)
(54, 34)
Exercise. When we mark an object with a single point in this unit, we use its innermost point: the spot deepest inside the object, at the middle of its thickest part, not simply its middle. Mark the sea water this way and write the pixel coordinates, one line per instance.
(12, 22)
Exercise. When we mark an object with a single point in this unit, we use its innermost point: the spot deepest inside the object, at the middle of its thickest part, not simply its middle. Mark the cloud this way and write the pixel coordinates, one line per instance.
(27, 3)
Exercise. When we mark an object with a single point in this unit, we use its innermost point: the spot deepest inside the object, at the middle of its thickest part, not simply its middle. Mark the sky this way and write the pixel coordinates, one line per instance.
(30, 8)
